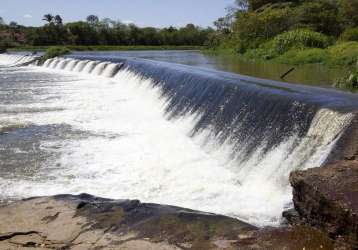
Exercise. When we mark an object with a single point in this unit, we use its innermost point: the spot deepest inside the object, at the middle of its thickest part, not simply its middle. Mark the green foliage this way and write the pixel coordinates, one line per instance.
(299, 39)
(319, 15)
(340, 54)
(348, 10)
(52, 52)
(109, 32)
(293, 41)
(257, 4)
(109, 47)
(297, 57)
(350, 34)
(343, 54)
(349, 82)
(254, 28)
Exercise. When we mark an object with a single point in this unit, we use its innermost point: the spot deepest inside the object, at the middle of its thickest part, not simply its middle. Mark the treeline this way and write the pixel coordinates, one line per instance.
(251, 23)
(100, 32)
(293, 32)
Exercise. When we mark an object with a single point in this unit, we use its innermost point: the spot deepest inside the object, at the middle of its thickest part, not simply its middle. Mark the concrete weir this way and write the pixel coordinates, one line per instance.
(171, 134)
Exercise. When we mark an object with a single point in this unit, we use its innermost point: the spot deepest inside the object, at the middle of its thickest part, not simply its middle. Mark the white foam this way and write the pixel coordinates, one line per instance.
(15, 59)
(142, 155)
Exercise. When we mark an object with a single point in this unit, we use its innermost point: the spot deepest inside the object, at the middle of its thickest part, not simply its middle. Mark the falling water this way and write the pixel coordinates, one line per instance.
(178, 135)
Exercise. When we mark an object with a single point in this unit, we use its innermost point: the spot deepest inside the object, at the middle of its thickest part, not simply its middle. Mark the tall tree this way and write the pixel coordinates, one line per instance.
(2, 21)
(92, 19)
(48, 18)
(58, 20)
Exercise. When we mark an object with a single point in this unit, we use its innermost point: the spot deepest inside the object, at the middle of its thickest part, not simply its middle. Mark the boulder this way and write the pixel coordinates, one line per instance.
(327, 198)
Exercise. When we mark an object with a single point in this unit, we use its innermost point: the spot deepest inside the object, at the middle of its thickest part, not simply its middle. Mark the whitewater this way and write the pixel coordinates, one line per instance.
(78, 125)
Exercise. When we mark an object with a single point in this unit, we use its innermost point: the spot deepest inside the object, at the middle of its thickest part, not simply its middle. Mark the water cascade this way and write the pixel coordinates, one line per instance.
(89, 67)
(71, 65)
(259, 130)
(80, 66)
(99, 68)
(62, 64)
(15, 59)
(111, 70)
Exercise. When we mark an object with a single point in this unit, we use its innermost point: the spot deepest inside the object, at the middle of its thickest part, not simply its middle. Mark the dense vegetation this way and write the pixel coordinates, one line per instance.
(104, 32)
(54, 52)
(270, 28)
(293, 32)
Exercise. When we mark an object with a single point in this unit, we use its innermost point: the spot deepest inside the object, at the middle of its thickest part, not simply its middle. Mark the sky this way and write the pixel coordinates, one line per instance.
(157, 13)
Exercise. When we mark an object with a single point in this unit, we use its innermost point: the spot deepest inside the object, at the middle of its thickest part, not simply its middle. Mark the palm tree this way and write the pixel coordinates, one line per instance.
(58, 20)
(48, 18)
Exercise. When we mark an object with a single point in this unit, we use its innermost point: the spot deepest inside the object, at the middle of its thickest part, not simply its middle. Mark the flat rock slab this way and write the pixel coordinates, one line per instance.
(88, 222)
(327, 198)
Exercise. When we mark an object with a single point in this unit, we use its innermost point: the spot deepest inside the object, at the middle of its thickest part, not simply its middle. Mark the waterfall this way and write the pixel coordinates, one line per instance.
(89, 67)
(71, 65)
(54, 63)
(15, 59)
(62, 64)
(257, 130)
(99, 68)
(111, 69)
(80, 66)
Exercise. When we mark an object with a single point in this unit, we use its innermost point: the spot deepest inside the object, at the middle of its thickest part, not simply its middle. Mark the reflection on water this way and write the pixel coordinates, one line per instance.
(318, 75)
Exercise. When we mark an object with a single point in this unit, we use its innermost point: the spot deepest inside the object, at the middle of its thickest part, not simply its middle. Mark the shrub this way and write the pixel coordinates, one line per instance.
(254, 28)
(52, 52)
(306, 56)
(299, 39)
(320, 15)
(344, 54)
(350, 34)
(349, 82)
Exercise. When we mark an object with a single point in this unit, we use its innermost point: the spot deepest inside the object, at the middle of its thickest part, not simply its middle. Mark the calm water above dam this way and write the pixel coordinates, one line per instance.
(317, 75)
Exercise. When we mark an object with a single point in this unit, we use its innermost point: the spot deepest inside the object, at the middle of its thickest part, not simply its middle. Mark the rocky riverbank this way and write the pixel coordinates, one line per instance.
(87, 222)
(325, 199)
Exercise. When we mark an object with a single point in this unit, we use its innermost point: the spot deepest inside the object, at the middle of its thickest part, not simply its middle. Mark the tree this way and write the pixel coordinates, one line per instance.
(2, 21)
(242, 4)
(48, 18)
(257, 4)
(349, 12)
(92, 19)
(58, 20)
(321, 16)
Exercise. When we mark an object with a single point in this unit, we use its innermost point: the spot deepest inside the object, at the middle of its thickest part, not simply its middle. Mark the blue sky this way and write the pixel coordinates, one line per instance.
(158, 13)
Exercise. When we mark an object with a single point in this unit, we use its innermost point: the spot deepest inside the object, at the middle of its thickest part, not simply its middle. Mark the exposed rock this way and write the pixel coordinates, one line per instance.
(327, 198)
(87, 222)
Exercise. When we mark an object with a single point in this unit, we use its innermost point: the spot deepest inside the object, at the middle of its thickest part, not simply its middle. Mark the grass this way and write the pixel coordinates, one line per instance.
(348, 82)
(108, 48)
(343, 54)
(307, 56)
(52, 52)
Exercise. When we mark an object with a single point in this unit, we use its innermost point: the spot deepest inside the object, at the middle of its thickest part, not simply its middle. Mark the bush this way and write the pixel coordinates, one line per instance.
(306, 56)
(294, 42)
(350, 82)
(350, 34)
(299, 39)
(254, 28)
(343, 54)
(320, 15)
(52, 52)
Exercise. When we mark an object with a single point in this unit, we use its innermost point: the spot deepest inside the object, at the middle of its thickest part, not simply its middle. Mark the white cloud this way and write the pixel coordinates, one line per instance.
(127, 21)
(27, 16)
